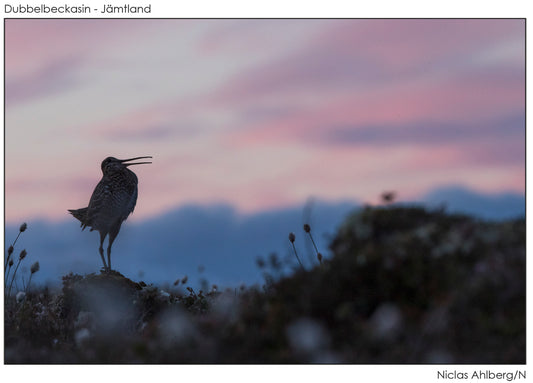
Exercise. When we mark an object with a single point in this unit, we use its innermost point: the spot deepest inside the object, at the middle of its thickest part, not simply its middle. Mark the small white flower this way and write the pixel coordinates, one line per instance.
(85, 320)
(21, 295)
(423, 233)
(226, 307)
(439, 356)
(386, 320)
(307, 335)
(81, 336)
(149, 289)
(35, 267)
(175, 327)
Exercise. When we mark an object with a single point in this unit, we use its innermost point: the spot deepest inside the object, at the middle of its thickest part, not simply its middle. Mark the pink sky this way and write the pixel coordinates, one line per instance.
(261, 113)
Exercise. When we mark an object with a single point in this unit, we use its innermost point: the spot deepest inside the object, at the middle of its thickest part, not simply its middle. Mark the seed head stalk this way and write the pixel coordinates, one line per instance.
(307, 229)
(295, 253)
(314, 244)
(292, 238)
(22, 229)
(29, 282)
(6, 275)
(21, 257)
(34, 268)
(9, 252)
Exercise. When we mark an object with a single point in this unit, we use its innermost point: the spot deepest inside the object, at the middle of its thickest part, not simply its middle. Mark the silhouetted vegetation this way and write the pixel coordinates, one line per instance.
(402, 285)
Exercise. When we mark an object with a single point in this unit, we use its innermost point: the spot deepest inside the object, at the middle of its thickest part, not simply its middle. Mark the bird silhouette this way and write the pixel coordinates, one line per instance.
(112, 201)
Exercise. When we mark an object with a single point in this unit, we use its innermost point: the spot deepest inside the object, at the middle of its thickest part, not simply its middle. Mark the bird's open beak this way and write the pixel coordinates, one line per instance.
(136, 163)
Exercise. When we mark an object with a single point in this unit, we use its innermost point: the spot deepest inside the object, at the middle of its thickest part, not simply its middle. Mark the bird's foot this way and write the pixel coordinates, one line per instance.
(109, 272)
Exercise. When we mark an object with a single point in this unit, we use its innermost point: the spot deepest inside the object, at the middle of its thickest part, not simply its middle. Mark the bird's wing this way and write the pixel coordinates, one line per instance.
(99, 198)
(132, 202)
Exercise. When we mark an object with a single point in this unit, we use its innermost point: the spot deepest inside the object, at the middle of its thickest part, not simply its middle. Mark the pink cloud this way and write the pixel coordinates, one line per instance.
(373, 72)
(465, 100)
(55, 77)
(45, 56)
(402, 44)
(360, 54)
(346, 110)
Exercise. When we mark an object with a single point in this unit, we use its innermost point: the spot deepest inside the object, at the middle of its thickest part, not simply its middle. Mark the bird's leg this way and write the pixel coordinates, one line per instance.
(109, 256)
(112, 235)
(101, 249)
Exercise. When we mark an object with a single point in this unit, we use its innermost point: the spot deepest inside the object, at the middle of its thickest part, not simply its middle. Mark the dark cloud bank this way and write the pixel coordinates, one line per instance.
(217, 239)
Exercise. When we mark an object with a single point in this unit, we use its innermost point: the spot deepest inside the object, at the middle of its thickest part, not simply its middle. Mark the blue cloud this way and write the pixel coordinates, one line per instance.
(458, 199)
(177, 243)
(430, 132)
(225, 243)
(54, 77)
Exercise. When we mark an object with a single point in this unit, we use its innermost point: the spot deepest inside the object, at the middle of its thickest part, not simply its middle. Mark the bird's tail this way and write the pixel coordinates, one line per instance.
(80, 214)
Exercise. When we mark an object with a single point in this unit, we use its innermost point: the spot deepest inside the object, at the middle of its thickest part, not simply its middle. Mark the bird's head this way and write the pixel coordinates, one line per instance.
(111, 164)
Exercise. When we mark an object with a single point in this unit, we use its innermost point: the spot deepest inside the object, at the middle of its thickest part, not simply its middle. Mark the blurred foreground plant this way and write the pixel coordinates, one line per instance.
(400, 285)
(9, 262)
(307, 229)
(34, 268)
(22, 255)
(292, 238)
(9, 259)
